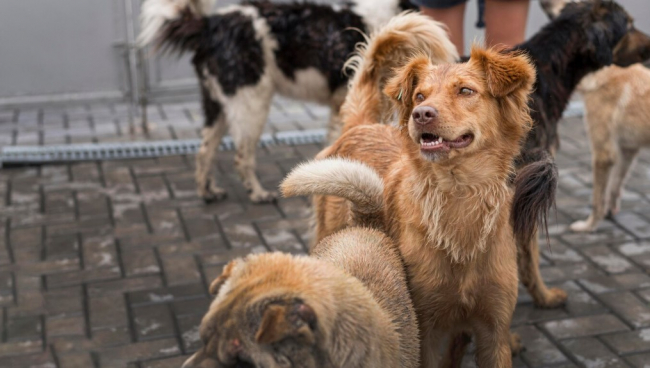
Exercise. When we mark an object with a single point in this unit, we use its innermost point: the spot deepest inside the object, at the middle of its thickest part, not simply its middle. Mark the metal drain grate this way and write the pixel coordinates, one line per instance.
(20, 155)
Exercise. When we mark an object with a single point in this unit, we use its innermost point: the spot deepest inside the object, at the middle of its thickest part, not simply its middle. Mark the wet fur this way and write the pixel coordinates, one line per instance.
(450, 218)
(347, 305)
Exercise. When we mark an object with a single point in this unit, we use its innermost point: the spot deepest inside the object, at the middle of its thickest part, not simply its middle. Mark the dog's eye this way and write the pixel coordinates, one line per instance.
(465, 91)
(419, 97)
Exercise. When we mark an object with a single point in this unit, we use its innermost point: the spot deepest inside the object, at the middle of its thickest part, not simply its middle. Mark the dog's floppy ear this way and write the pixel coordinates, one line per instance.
(280, 321)
(401, 86)
(505, 73)
(225, 274)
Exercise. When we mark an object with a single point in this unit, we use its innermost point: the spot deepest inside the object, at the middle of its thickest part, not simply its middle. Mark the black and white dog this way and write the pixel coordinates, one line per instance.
(243, 54)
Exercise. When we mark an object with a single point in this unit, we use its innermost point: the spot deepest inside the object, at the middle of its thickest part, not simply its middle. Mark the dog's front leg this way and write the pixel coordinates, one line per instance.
(246, 126)
(528, 259)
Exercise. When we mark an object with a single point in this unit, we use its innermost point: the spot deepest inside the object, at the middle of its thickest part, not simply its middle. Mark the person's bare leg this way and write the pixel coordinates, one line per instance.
(453, 17)
(505, 22)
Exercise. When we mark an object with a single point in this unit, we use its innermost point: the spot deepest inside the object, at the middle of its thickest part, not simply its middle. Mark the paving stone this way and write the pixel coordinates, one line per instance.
(591, 353)
(153, 321)
(66, 326)
(608, 260)
(629, 342)
(629, 307)
(584, 326)
(24, 329)
(119, 356)
(140, 262)
(540, 351)
(639, 361)
(181, 269)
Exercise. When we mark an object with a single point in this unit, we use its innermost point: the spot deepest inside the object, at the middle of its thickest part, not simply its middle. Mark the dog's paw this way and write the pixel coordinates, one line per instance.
(515, 344)
(582, 226)
(214, 194)
(554, 298)
(263, 197)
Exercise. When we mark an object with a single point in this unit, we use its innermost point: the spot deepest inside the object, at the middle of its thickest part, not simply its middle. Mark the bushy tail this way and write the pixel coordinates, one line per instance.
(402, 37)
(534, 194)
(173, 25)
(344, 178)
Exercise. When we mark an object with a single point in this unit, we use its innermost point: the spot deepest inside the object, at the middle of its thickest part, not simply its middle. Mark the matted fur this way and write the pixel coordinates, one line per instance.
(617, 117)
(347, 305)
(450, 215)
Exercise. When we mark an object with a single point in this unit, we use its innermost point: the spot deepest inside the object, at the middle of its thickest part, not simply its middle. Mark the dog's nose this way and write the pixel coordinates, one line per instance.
(423, 115)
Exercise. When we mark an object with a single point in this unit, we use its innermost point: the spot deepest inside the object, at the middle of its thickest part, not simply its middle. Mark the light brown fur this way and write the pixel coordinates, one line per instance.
(347, 305)
(449, 212)
(617, 117)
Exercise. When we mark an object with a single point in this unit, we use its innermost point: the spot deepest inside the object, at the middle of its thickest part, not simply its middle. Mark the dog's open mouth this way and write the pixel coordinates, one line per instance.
(431, 142)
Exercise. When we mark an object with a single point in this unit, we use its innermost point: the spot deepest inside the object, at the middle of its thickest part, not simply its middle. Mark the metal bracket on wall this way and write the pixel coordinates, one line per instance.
(35, 155)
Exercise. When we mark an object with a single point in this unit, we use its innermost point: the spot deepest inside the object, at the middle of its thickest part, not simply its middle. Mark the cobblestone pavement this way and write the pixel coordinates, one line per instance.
(110, 122)
(106, 264)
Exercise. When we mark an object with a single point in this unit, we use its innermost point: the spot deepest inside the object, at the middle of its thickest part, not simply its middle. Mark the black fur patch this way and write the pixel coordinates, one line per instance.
(534, 194)
(579, 41)
(211, 107)
(231, 51)
(312, 36)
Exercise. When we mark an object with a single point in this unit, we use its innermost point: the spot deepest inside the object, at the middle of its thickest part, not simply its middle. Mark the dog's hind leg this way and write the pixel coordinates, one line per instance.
(493, 345)
(248, 115)
(456, 351)
(528, 260)
(214, 129)
(603, 163)
(618, 177)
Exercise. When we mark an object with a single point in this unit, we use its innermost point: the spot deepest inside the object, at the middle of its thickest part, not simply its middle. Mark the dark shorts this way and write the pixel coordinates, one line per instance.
(441, 4)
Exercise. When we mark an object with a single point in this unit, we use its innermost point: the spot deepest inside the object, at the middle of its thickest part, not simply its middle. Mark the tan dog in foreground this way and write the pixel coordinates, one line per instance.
(617, 116)
(346, 306)
(446, 197)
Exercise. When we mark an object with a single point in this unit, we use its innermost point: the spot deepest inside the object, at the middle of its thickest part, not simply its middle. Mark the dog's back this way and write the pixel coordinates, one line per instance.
(617, 103)
(370, 256)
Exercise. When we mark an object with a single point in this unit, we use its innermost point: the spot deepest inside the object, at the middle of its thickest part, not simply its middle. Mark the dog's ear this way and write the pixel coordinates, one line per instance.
(401, 86)
(225, 275)
(505, 72)
(280, 321)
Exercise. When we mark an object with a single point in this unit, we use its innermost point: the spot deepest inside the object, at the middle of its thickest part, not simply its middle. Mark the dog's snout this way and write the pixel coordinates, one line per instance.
(424, 115)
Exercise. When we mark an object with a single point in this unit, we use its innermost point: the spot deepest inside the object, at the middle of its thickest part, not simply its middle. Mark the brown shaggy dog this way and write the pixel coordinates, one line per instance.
(617, 116)
(443, 193)
(346, 306)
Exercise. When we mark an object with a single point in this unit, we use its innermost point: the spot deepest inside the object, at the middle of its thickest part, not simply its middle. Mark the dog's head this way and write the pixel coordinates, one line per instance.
(258, 317)
(612, 37)
(455, 110)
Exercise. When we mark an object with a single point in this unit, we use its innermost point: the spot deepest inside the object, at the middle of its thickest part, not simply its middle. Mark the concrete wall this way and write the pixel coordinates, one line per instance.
(69, 49)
